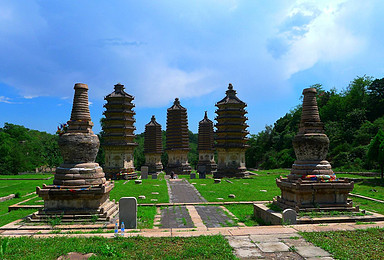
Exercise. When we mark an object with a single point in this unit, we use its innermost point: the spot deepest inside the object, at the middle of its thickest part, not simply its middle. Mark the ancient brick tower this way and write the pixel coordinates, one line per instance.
(177, 139)
(205, 146)
(119, 134)
(80, 190)
(231, 135)
(153, 146)
(312, 185)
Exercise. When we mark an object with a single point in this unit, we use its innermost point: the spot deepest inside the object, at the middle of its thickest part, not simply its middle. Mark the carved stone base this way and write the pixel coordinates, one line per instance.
(82, 202)
(210, 167)
(178, 169)
(120, 174)
(305, 195)
(230, 172)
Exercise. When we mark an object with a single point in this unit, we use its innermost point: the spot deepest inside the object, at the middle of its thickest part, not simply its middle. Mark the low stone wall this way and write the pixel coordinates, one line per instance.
(266, 214)
(11, 196)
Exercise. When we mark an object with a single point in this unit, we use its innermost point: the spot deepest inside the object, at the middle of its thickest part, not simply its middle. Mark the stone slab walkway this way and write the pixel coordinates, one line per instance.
(213, 216)
(181, 191)
(176, 217)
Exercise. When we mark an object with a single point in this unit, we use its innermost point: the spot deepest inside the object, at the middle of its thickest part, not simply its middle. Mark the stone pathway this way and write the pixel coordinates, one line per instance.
(276, 246)
(213, 216)
(180, 190)
(176, 217)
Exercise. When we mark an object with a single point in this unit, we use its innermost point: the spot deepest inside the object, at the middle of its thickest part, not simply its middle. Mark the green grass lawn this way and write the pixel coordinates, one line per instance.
(23, 186)
(259, 187)
(369, 205)
(145, 217)
(373, 187)
(130, 189)
(357, 244)
(7, 217)
(244, 212)
(203, 247)
(27, 176)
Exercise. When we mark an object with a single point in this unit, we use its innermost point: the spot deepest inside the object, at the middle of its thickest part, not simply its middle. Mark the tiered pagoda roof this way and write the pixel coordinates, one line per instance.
(152, 137)
(177, 127)
(231, 127)
(205, 136)
(119, 121)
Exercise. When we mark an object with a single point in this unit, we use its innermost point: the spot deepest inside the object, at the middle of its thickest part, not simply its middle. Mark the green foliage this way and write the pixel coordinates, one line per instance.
(376, 150)
(355, 244)
(202, 247)
(22, 149)
(351, 119)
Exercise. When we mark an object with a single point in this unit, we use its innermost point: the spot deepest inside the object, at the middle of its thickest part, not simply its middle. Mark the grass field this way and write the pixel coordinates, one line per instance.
(203, 247)
(244, 212)
(27, 176)
(255, 188)
(22, 186)
(357, 244)
(130, 189)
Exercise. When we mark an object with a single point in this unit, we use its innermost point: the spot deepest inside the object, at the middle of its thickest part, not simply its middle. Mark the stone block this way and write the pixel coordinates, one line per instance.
(217, 180)
(289, 216)
(193, 175)
(154, 176)
(128, 212)
(144, 172)
(202, 175)
(138, 181)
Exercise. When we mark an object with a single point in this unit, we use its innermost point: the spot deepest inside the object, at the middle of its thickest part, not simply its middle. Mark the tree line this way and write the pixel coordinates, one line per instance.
(352, 118)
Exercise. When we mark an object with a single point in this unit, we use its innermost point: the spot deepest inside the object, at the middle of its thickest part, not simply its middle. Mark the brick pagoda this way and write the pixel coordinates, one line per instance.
(153, 146)
(205, 146)
(177, 139)
(231, 135)
(119, 134)
(80, 191)
(312, 185)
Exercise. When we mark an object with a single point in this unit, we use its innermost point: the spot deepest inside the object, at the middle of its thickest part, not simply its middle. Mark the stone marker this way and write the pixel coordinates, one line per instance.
(142, 197)
(232, 196)
(155, 193)
(128, 212)
(144, 172)
(202, 175)
(193, 175)
(154, 176)
(217, 180)
(289, 216)
(138, 181)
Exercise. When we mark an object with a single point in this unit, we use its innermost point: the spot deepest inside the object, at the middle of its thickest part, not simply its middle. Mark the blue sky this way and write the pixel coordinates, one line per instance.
(268, 50)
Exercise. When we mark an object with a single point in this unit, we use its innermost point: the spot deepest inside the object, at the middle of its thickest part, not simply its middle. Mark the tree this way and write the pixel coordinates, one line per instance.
(376, 150)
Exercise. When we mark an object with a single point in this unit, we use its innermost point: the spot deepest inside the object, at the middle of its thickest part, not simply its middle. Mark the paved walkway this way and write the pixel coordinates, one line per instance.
(181, 191)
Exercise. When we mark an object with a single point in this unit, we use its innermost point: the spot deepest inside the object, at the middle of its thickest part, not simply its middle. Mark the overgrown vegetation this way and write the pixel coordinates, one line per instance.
(203, 247)
(356, 244)
(352, 117)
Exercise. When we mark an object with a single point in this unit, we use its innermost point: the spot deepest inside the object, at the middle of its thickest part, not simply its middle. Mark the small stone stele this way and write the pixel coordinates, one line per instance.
(144, 172)
(232, 196)
(138, 181)
(193, 175)
(128, 212)
(217, 180)
(289, 216)
(154, 176)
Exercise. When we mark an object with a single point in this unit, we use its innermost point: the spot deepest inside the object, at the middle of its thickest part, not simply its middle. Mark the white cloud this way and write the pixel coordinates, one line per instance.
(315, 31)
(163, 84)
(5, 100)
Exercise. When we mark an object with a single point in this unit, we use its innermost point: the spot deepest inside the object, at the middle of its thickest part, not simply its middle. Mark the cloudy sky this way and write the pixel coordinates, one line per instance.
(269, 51)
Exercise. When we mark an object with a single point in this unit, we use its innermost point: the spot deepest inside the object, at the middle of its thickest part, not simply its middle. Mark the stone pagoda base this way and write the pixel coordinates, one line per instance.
(210, 167)
(180, 169)
(118, 174)
(154, 168)
(309, 195)
(230, 172)
(76, 203)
